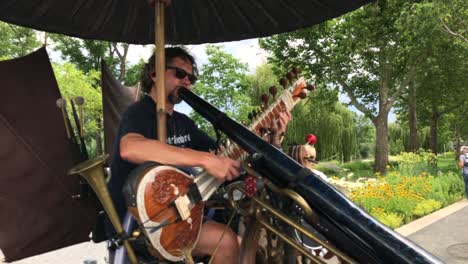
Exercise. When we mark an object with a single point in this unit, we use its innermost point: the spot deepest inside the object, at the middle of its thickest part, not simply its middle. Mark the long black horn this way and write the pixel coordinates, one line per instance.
(383, 245)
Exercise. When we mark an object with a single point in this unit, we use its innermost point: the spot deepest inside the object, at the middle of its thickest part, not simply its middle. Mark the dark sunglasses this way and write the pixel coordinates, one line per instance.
(181, 74)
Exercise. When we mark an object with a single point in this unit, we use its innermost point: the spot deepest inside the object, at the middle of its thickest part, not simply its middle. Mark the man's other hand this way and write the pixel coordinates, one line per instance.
(222, 168)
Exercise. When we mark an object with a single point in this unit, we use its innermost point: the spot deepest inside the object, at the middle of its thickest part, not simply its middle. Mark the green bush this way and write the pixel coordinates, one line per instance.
(426, 207)
(416, 163)
(447, 188)
(391, 220)
(365, 150)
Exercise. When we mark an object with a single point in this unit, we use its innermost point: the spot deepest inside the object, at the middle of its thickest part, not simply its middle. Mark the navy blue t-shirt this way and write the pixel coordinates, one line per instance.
(140, 118)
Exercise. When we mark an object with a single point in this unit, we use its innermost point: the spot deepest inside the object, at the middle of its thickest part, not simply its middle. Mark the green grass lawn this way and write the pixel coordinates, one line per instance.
(364, 168)
(350, 170)
(447, 161)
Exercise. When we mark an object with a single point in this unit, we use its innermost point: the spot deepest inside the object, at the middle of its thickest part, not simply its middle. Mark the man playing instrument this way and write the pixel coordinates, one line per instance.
(187, 146)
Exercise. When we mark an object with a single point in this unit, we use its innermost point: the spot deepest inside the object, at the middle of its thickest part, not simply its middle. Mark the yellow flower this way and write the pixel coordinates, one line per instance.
(388, 167)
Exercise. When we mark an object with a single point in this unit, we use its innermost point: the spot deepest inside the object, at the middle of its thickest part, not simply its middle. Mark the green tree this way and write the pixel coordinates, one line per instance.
(262, 79)
(334, 127)
(370, 54)
(365, 134)
(453, 19)
(224, 83)
(87, 54)
(74, 82)
(441, 76)
(16, 41)
(133, 75)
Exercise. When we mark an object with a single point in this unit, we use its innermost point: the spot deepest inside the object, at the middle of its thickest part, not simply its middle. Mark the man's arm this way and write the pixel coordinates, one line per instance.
(462, 161)
(137, 149)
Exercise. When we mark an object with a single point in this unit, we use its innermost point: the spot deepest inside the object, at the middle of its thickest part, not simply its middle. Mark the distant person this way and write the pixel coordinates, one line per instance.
(464, 166)
(306, 155)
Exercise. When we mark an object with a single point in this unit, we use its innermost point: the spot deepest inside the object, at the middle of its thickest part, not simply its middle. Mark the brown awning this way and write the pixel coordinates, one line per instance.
(37, 211)
(115, 99)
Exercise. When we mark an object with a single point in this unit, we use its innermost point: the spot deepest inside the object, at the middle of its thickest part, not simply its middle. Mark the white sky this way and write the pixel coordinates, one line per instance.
(246, 51)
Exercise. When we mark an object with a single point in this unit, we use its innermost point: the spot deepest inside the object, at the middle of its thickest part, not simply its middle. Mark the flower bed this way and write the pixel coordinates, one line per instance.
(412, 190)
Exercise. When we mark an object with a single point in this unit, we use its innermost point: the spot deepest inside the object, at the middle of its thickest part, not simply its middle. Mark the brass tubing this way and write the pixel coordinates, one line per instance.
(290, 241)
(309, 213)
(301, 229)
(285, 192)
(300, 201)
(93, 172)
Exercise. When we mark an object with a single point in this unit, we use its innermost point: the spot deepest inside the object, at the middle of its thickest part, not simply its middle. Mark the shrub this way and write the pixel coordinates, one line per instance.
(426, 207)
(412, 164)
(447, 188)
(391, 220)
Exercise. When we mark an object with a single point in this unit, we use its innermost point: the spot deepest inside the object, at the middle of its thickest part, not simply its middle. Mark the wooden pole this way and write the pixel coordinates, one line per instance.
(160, 64)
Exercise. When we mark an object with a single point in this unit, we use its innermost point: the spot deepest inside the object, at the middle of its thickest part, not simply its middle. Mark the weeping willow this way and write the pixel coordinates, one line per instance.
(398, 138)
(334, 129)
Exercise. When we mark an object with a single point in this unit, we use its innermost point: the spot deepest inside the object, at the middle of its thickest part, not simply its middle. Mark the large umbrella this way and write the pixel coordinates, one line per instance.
(187, 21)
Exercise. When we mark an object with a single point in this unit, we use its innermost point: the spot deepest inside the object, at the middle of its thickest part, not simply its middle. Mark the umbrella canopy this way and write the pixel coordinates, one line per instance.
(187, 21)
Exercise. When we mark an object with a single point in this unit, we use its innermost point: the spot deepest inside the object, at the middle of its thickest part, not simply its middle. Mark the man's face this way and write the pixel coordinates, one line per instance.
(177, 68)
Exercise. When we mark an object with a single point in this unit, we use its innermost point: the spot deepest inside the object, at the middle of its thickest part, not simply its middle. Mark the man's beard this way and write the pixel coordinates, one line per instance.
(173, 97)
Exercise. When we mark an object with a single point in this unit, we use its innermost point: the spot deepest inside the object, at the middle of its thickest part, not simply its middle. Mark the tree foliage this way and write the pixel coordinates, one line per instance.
(224, 83)
(365, 134)
(441, 75)
(371, 54)
(334, 127)
(133, 75)
(16, 41)
(87, 54)
(74, 82)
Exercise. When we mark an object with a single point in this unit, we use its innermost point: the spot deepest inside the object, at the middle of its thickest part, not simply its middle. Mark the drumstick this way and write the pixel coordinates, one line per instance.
(80, 102)
(62, 104)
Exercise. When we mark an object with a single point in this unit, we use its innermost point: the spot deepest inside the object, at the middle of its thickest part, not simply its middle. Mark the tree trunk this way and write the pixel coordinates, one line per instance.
(122, 58)
(413, 144)
(433, 130)
(457, 142)
(381, 143)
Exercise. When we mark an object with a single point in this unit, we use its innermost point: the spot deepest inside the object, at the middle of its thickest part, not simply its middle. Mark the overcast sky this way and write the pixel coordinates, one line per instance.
(246, 51)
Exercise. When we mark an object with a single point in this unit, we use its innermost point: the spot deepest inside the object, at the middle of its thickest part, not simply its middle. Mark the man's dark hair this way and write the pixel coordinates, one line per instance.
(171, 53)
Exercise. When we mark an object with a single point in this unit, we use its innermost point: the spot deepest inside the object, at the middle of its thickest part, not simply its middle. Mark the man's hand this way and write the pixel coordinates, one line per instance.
(222, 168)
(278, 127)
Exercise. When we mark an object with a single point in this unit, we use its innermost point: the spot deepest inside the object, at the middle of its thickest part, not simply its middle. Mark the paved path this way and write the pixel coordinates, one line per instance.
(443, 233)
(76, 254)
